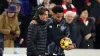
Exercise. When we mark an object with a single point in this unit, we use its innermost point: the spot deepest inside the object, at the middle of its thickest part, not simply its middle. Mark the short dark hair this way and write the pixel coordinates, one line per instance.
(83, 9)
(41, 10)
(57, 9)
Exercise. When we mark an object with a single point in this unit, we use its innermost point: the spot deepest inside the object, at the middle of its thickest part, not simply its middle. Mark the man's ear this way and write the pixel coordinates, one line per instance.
(40, 16)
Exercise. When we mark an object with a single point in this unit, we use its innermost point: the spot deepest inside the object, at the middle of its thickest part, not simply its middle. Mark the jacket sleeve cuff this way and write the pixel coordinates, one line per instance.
(93, 34)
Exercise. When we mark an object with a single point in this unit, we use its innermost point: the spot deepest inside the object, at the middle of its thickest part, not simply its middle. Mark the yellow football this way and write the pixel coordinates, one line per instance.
(64, 42)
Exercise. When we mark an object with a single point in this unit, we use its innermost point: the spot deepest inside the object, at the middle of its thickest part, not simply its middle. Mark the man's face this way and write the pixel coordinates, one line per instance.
(84, 14)
(44, 17)
(58, 16)
(69, 18)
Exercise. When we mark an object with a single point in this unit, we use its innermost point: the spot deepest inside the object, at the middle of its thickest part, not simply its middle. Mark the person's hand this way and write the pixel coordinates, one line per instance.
(21, 41)
(70, 47)
(13, 33)
(15, 36)
(88, 36)
(33, 22)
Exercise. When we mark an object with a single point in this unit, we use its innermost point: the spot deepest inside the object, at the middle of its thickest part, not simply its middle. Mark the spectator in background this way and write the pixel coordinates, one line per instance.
(46, 3)
(75, 34)
(35, 3)
(17, 3)
(87, 29)
(89, 6)
(50, 9)
(9, 26)
(24, 14)
(96, 13)
(95, 3)
(88, 2)
(50, 14)
(25, 8)
(25, 18)
(9, 1)
(79, 4)
(68, 6)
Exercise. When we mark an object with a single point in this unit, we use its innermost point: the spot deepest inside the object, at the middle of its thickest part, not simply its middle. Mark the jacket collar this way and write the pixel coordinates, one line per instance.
(83, 20)
(40, 21)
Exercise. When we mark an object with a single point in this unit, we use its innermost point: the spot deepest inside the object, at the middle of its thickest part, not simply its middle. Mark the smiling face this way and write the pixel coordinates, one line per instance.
(69, 17)
(58, 13)
(44, 17)
(58, 16)
(43, 13)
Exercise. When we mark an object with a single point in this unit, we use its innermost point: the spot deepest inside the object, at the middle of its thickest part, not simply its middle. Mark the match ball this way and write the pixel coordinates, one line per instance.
(64, 42)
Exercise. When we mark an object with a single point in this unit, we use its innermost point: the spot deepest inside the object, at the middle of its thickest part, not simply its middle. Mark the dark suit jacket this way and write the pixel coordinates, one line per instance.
(75, 34)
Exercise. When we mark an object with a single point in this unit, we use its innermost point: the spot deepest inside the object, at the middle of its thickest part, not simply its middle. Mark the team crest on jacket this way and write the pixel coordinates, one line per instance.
(62, 28)
(50, 26)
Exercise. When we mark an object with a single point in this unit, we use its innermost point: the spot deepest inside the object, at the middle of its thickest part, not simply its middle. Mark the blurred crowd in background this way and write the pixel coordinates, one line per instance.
(26, 9)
